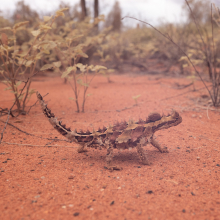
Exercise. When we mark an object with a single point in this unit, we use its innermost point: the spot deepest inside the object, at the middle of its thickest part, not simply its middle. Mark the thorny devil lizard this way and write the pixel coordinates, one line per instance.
(123, 135)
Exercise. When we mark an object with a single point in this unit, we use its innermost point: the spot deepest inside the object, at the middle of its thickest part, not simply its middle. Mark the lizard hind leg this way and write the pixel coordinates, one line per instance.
(157, 145)
(141, 152)
(109, 157)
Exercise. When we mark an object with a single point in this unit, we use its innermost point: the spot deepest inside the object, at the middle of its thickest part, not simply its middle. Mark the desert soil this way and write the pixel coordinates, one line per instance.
(46, 179)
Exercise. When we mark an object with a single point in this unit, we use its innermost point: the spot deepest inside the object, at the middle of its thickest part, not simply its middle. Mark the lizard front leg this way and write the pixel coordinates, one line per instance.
(157, 145)
(141, 152)
(81, 148)
(109, 157)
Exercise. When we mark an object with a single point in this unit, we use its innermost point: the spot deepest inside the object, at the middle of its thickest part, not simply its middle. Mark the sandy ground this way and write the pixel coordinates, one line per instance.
(44, 179)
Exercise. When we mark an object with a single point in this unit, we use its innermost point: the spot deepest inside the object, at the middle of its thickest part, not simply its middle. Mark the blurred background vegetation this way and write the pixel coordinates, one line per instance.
(123, 45)
(83, 35)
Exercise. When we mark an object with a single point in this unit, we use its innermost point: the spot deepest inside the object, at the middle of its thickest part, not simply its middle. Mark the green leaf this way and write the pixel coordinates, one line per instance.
(81, 67)
(77, 37)
(185, 65)
(111, 70)
(38, 56)
(82, 54)
(46, 51)
(18, 83)
(46, 67)
(72, 99)
(63, 9)
(21, 97)
(6, 28)
(60, 12)
(13, 92)
(31, 92)
(57, 64)
(68, 71)
(36, 33)
(136, 97)
(79, 81)
(8, 88)
(28, 63)
(16, 26)
(47, 18)
(45, 27)
(6, 82)
(98, 67)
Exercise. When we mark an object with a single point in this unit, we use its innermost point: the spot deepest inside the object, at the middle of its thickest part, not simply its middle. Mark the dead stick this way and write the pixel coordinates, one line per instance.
(34, 145)
(9, 112)
(53, 139)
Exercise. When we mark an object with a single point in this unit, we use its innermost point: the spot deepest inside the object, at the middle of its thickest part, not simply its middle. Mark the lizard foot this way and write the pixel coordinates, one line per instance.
(81, 149)
(164, 150)
(111, 168)
(146, 162)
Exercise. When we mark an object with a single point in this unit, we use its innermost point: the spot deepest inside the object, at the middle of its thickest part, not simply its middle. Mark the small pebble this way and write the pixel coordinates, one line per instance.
(112, 203)
(76, 214)
(198, 158)
(71, 177)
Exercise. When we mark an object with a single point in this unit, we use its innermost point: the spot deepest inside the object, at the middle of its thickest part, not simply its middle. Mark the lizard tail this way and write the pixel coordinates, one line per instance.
(61, 128)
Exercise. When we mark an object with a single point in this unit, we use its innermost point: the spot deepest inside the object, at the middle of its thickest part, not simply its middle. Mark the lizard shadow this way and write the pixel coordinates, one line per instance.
(128, 157)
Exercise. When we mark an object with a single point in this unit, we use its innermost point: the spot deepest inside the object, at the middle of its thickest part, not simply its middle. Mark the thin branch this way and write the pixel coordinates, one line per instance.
(9, 112)
(35, 104)
(33, 145)
(182, 93)
(53, 139)
(5, 125)
(208, 111)
(170, 39)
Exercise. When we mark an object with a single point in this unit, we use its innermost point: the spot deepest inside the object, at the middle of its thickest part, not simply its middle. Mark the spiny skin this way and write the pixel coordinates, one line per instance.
(123, 135)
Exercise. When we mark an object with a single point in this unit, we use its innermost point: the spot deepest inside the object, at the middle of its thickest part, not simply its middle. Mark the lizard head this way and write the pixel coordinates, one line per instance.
(168, 121)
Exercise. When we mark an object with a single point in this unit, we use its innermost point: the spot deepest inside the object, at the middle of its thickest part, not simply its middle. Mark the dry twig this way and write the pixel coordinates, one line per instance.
(35, 145)
(53, 139)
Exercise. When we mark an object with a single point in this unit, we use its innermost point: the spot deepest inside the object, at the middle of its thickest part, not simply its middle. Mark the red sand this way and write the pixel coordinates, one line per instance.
(50, 180)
